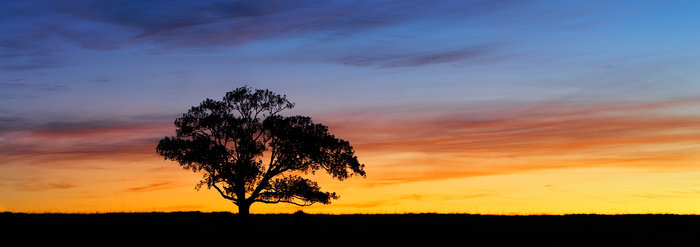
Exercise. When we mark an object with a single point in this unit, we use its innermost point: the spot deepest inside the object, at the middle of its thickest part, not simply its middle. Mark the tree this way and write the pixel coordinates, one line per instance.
(227, 140)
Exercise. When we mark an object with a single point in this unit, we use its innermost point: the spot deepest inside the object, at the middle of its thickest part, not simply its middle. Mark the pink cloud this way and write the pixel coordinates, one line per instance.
(457, 142)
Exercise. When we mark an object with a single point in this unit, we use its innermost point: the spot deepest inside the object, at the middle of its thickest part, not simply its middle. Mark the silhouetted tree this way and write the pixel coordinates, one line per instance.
(226, 140)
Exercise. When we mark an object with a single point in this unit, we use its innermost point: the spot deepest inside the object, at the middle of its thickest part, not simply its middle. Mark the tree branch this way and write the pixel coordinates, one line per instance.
(224, 195)
(269, 174)
(290, 202)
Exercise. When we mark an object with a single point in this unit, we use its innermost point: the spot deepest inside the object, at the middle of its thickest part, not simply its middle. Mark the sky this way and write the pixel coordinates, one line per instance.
(487, 107)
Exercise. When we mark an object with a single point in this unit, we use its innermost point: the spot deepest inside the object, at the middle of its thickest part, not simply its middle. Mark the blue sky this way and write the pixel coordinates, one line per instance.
(152, 55)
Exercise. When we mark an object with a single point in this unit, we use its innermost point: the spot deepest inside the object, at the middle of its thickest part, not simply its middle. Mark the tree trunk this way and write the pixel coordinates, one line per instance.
(244, 208)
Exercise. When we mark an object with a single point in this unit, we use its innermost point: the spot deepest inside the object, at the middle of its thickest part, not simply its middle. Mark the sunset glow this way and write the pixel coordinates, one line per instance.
(488, 107)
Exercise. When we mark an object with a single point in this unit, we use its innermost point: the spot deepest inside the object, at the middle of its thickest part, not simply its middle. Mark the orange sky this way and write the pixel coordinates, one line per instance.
(526, 158)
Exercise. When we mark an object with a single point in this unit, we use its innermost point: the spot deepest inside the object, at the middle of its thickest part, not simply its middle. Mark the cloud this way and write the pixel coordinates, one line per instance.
(12, 85)
(410, 59)
(18, 89)
(442, 143)
(41, 30)
(65, 127)
(188, 23)
(102, 80)
(514, 126)
(30, 65)
(152, 187)
(668, 194)
(41, 87)
(36, 186)
(105, 24)
(60, 143)
(407, 144)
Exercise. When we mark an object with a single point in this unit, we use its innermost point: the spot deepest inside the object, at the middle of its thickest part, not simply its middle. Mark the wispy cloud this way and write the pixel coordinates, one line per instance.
(409, 59)
(668, 194)
(30, 65)
(442, 143)
(430, 143)
(530, 125)
(20, 89)
(42, 87)
(40, 185)
(63, 142)
(41, 29)
(152, 187)
(188, 23)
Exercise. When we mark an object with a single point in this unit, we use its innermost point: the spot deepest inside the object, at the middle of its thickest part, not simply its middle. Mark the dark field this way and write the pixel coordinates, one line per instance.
(346, 230)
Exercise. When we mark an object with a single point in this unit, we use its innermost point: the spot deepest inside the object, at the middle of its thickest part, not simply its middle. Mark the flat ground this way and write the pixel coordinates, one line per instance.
(347, 230)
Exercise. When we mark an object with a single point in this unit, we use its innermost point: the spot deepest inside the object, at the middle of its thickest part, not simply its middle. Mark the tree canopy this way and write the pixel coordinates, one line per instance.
(226, 141)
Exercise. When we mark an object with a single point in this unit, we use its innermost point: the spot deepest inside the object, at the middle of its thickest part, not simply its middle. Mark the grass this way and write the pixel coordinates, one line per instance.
(480, 230)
